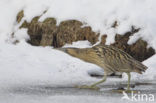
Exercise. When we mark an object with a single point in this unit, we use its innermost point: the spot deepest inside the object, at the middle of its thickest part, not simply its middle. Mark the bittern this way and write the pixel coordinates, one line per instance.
(110, 58)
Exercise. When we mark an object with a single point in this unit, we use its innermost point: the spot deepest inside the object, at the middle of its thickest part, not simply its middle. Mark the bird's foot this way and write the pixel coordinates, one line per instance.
(131, 91)
(121, 90)
(88, 87)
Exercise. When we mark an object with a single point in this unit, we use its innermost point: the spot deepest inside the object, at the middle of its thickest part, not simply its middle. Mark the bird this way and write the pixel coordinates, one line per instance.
(108, 57)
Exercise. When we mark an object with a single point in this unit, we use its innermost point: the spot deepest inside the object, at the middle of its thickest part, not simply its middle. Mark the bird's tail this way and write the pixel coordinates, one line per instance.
(139, 67)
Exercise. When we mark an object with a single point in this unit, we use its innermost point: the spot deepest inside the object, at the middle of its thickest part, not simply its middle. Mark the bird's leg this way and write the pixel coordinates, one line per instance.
(129, 78)
(128, 86)
(101, 81)
(93, 86)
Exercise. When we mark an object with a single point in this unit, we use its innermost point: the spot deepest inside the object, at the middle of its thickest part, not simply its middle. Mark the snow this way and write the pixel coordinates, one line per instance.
(79, 44)
(99, 14)
(151, 64)
(21, 34)
(24, 63)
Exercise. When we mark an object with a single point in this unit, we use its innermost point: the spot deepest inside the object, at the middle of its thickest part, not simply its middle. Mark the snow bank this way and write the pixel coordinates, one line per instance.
(23, 63)
(99, 14)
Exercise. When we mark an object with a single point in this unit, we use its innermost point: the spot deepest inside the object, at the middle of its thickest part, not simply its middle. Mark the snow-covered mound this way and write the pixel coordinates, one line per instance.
(99, 14)
(23, 63)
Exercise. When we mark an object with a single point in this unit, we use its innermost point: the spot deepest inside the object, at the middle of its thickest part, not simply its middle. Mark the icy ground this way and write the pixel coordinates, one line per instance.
(49, 94)
(43, 75)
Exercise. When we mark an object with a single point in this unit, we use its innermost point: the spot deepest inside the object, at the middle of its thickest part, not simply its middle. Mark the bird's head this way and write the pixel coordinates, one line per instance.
(76, 52)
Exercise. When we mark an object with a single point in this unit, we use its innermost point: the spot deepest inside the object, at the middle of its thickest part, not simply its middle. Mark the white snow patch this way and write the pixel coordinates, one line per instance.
(79, 44)
(21, 34)
(151, 64)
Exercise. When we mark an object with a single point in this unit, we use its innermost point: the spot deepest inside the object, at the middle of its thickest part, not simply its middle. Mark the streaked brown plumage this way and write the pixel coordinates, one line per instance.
(109, 58)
